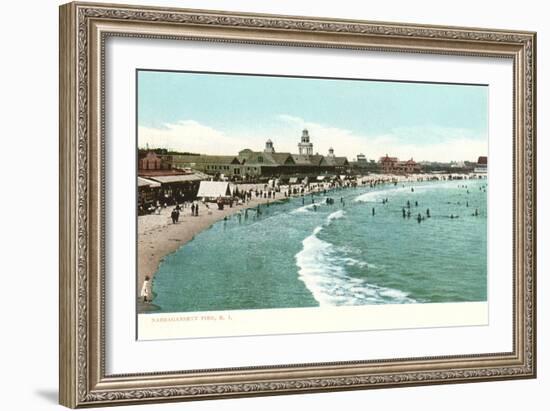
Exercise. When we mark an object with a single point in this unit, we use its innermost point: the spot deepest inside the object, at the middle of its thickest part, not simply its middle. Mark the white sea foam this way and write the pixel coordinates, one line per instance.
(438, 186)
(388, 192)
(392, 293)
(323, 272)
(335, 215)
(304, 209)
(379, 194)
(358, 263)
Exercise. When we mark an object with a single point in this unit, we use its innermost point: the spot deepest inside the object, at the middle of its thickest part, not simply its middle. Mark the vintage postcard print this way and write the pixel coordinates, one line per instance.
(283, 219)
(280, 204)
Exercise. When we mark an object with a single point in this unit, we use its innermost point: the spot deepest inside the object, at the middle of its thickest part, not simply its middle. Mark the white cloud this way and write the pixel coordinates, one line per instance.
(457, 149)
(189, 136)
(447, 144)
(440, 144)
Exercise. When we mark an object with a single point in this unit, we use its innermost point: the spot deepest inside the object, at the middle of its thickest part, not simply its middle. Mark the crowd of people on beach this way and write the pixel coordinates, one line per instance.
(264, 193)
(178, 209)
(243, 195)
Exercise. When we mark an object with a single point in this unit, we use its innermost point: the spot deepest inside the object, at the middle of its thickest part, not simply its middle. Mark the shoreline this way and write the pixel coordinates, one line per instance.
(158, 237)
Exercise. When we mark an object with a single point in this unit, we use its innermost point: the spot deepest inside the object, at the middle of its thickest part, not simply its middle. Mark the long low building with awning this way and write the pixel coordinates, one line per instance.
(148, 194)
(167, 187)
(181, 178)
(145, 182)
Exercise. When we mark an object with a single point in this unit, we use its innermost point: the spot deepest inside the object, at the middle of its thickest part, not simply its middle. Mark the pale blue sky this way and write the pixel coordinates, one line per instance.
(174, 108)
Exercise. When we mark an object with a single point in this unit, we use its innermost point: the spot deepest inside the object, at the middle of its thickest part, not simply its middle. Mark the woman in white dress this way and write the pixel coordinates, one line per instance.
(146, 290)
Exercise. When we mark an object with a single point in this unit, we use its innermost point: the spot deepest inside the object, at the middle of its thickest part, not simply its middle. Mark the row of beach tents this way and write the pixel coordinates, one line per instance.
(212, 190)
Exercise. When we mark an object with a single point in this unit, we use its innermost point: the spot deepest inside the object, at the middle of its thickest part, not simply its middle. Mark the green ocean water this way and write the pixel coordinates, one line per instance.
(301, 255)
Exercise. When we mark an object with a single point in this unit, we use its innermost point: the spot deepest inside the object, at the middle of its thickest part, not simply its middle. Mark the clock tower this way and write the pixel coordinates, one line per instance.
(305, 147)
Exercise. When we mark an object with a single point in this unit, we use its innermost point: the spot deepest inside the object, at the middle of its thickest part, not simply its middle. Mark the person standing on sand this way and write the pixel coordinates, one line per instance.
(197, 209)
(146, 290)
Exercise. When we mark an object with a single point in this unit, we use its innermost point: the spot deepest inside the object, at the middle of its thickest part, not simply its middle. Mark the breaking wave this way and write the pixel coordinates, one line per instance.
(375, 195)
(322, 270)
(304, 209)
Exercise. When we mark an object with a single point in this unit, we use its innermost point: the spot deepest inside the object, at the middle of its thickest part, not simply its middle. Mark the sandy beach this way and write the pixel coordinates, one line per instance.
(159, 237)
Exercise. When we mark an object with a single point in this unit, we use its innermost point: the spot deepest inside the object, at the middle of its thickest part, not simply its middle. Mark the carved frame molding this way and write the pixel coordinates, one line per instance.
(84, 27)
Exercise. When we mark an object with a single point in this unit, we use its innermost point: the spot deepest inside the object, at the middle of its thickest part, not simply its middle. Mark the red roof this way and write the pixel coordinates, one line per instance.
(389, 159)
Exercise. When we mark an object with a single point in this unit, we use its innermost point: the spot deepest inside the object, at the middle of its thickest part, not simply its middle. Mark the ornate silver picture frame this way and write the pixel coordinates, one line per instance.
(85, 28)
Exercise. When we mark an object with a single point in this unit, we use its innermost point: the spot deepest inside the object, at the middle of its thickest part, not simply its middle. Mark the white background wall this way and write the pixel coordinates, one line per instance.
(28, 206)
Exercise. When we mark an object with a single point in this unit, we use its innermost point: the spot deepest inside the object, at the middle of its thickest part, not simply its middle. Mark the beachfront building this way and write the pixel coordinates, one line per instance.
(250, 165)
(392, 165)
(159, 182)
(481, 166)
(264, 163)
(305, 163)
(362, 166)
(150, 160)
(180, 187)
(340, 165)
(388, 164)
(162, 187)
(148, 193)
(407, 167)
(210, 164)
